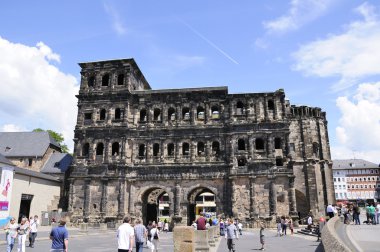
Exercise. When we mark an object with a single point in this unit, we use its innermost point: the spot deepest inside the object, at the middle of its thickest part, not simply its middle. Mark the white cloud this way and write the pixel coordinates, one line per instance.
(300, 13)
(350, 56)
(34, 92)
(12, 128)
(359, 127)
(117, 23)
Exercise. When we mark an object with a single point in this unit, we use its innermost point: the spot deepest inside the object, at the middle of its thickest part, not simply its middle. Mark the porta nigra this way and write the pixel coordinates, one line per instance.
(148, 153)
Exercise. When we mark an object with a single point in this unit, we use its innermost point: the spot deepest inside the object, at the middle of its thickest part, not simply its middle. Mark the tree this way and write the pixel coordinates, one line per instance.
(58, 137)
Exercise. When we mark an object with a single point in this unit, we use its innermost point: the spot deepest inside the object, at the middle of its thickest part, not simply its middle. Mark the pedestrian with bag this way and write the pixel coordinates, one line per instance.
(140, 235)
(155, 237)
(11, 233)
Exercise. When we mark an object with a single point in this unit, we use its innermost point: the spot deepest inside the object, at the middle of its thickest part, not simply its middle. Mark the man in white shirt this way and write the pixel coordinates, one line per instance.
(125, 236)
(34, 224)
(330, 211)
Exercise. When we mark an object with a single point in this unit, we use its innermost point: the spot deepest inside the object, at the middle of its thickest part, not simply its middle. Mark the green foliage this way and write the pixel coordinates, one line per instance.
(58, 137)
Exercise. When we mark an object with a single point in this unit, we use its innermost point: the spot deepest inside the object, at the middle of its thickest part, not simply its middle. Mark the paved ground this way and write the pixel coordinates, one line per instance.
(105, 241)
(364, 237)
(250, 241)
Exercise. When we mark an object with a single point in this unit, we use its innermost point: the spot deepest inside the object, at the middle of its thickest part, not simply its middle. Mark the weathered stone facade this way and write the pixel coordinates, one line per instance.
(259, 155)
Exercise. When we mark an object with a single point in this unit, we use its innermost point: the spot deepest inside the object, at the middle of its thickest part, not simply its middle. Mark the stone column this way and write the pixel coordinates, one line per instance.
(292, 197)
(103, 203)
(193, 150)
(86, 198)
(275, 116)
(177, 202)
(265, 108)
(207, 113)
(131, 200)
(121, 199)
(106, 150)
(71, 195)
(235, 213)
(122, 151)
(270, 147)
(207, 150)
(252, 191)
(193, 113)
(273, 197)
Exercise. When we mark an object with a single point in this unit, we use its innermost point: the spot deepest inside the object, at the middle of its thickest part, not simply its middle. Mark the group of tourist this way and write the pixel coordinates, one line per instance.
(14, 231)
(283, 224)
(351, 213)
(129, 236)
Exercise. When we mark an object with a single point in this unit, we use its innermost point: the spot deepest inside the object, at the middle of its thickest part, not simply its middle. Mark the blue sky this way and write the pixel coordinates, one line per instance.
(324, 53)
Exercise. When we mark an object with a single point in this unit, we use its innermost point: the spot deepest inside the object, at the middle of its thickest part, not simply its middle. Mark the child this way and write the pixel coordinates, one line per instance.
(262, 237)
(279, 227)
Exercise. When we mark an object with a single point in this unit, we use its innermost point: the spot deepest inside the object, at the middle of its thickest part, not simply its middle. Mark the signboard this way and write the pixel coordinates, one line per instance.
(5, 191)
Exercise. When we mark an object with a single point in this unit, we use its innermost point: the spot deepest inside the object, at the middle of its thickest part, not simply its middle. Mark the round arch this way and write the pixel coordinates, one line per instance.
(147, 203)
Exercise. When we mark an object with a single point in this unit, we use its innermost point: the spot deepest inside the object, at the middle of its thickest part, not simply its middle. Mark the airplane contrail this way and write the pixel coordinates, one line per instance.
(209, 42)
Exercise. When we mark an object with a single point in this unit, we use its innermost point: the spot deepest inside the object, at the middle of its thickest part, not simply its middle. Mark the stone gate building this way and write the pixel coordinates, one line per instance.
(259, 155)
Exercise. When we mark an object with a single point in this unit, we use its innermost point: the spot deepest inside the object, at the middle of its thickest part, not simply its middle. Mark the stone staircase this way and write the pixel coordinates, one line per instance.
(305, 231)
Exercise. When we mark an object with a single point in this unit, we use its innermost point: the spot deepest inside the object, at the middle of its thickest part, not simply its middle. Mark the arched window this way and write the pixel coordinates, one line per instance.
(277, 143)
(242, 161)
(142, 150)
(215, 148)
(215, 112)
(102, 115)
(157, 114)
(259, 143)
(99, 149)
(279, 161)
(200, 148)
(185, 149)
(315, 149)
(270, 105)
(115, 149)
(120, 79)
(156, 149)
(171, 149)
(171, 114)
(240, 110)
(200, 113)
(143, 115)
(91, 81)
(117, 114)
(105, 80)
(86, 150)
(186, 114)
(241, 144)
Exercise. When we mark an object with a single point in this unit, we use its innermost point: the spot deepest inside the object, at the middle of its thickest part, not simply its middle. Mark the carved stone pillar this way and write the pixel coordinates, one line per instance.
(121, 199)
(273, 197)
(252, 191)
(270, 147)
(265, 105)
(86, 198)
(176, 151)
(177, 202)
(193, 114)
(275, 116)
(292, 197)
(122, 151)
(103, 203)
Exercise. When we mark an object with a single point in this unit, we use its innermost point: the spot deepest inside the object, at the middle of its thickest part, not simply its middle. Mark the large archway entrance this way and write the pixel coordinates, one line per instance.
(201, 200)
(156, 205)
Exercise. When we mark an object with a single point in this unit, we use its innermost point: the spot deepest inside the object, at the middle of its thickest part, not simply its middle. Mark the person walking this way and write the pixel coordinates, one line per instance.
(11, 233)
(140, 235)
(356, 214)
(291, 225)
(221, 227)
(231, 235)
(125, 236)
(279, 227)
(378, 213)
(201, 222)
(262, 237)
(309, 223)
(372, 211)
(155, 237)
(34, 224)
(59, 237)
(22, 231)
(240, 227)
